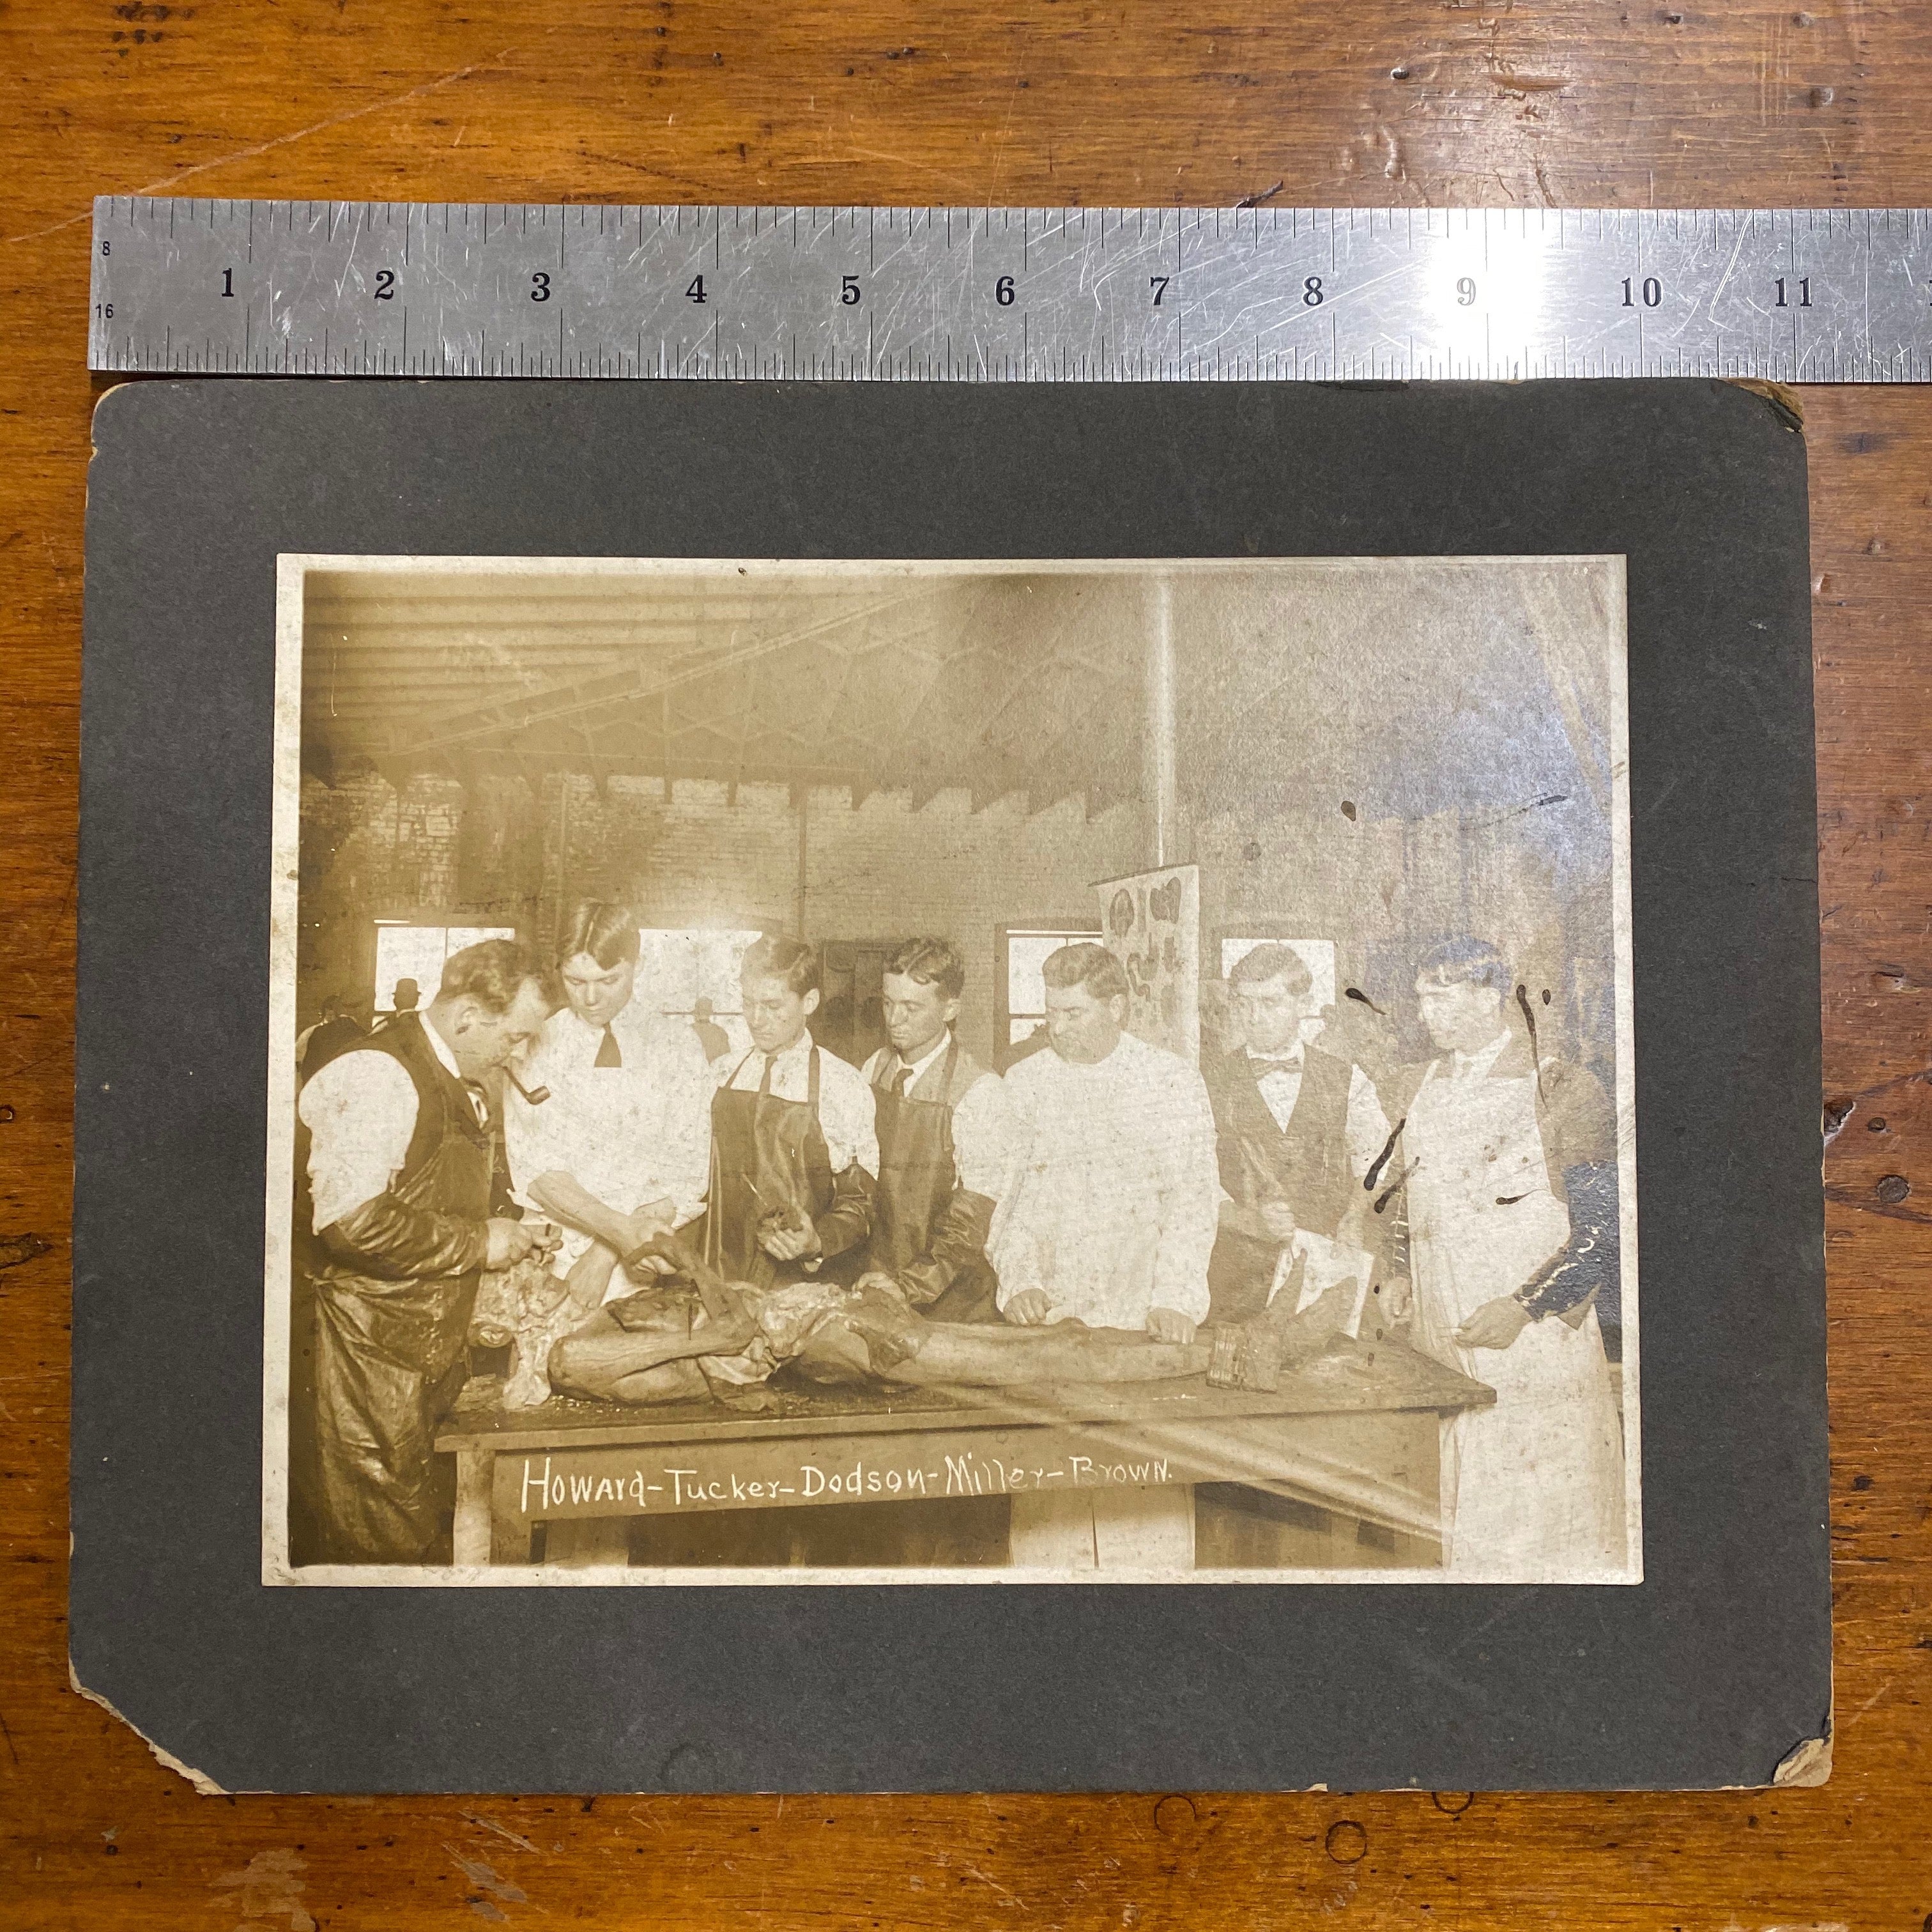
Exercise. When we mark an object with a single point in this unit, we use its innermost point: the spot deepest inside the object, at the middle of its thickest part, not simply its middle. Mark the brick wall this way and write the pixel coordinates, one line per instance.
(368, 853)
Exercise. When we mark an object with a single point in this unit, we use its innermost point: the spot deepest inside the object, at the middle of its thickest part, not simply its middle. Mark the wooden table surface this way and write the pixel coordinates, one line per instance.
(1541, 102)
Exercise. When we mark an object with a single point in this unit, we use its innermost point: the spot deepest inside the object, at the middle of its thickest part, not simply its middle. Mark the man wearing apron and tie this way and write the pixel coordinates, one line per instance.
(943, 1139)
(794, 1156)
(1509, 1166)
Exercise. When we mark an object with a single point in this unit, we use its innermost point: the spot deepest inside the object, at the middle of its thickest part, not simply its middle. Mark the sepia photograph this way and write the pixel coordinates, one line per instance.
(947, 1072)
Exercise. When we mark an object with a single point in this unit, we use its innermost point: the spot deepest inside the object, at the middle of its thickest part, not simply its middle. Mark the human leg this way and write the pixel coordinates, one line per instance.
(973, 1356)
(650, 1356)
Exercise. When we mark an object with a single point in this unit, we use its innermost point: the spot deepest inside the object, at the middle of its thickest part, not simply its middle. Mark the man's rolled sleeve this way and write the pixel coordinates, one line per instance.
(1367, 1129)
(846, 1115)
(528, 1142)
(360, 1110)
(983, 1139)
(1012, 1245)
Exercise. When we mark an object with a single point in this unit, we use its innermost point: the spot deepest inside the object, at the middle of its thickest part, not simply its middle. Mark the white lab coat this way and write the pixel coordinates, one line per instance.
(1532, 1489)
(629, 1135)
(1116, 1186)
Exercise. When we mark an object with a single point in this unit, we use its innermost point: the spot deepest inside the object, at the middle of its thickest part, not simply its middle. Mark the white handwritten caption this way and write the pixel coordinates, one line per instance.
(968, 1475)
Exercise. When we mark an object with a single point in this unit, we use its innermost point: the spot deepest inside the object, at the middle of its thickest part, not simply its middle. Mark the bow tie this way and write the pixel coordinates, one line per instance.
(1265, 1065)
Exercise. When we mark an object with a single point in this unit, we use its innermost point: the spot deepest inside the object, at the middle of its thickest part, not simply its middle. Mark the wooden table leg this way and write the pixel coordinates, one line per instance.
(473, 1474)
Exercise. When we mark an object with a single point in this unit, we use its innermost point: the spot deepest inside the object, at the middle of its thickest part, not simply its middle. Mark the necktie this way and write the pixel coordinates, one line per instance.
(607, 1054)
(479, 1101)
(901, 1081)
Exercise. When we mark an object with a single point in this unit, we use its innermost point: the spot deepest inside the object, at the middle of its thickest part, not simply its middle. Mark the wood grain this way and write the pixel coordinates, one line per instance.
(1664, 102)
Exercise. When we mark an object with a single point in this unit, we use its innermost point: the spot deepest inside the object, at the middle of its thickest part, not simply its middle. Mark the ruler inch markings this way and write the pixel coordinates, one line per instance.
(1441, 294)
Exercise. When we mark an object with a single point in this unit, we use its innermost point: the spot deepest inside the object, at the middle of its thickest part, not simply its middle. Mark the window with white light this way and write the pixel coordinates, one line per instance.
(417, 953)
(680, 971)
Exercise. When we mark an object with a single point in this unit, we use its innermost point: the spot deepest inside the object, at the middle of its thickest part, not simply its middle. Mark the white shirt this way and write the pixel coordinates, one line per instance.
(845, 1098)
(1112, 1207)
(1367, 1129)
(360, 1110)
(1476, 1066)
(982, 1124)
(916, 1068)
(631, 1134)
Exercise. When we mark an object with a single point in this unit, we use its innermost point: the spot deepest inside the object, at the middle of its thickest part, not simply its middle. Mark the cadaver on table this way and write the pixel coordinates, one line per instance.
(528, 1308)
(698, 1332)
(695, 1333)
(734, 1336)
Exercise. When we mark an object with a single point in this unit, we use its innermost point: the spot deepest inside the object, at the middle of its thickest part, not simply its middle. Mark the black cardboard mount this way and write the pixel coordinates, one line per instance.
(1708, 1673)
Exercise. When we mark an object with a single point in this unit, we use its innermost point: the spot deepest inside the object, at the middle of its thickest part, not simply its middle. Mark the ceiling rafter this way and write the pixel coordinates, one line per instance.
(635, 681)
(985, 686)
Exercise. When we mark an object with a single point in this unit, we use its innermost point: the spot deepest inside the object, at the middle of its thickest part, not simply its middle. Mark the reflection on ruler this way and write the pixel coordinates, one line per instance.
(1008, 294)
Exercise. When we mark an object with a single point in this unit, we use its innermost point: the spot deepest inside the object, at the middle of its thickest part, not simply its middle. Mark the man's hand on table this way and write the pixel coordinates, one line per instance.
(1030, 1309)
(1169, 1325)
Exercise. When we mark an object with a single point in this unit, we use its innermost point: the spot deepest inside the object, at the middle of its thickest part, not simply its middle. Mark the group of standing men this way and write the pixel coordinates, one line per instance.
(1483, 1182)
(1103, 1180)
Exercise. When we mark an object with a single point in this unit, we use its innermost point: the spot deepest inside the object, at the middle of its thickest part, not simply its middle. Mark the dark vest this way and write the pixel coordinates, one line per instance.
(449, 1168)
(1306, 1163)
(379, 1332)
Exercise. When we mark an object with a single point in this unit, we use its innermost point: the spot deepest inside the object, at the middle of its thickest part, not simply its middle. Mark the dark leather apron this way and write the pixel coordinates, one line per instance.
(389, 1353)
(766, 1153)
(918, 1176)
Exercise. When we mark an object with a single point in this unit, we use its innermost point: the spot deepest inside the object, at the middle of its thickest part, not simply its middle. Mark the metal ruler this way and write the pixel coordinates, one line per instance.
(1008, 294)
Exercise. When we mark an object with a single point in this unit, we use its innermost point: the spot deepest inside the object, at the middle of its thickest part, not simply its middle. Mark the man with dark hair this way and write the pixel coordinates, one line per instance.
(398, 1218)
(1510, 1161)
(794, 1155)
(1299, 1127)
(942, 1136)
(620, 1146)
(1110, 1215)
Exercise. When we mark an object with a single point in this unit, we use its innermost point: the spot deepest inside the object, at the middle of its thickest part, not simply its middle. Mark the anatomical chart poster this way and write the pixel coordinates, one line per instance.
(1153, 924)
